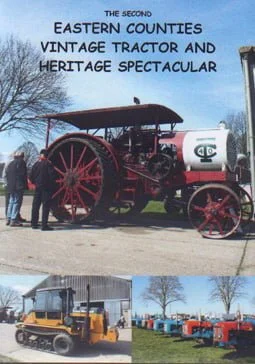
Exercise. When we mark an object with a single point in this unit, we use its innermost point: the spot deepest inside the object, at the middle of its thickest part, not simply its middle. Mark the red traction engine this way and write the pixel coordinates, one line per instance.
(237, 334)
(103, 172)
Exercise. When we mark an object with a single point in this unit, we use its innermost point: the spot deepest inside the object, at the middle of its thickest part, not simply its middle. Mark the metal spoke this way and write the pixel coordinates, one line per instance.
(209, 197)
(59, 171)
(81, 157)
(198, 208)
(71, 157)
(204, 224)
(72, 204)
(90, 178)
(58, 192)
(219, 226)
(211, 229)
(66, 197)
(94, 195)
(88, 166)
(224, 201)
(81, 200)
(63, 160)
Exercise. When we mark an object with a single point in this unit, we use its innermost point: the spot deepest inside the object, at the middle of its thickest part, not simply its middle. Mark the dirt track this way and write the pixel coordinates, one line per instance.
(135, 246)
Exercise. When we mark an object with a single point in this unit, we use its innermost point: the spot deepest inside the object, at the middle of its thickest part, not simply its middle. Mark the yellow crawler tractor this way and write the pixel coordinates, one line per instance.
(52, 325)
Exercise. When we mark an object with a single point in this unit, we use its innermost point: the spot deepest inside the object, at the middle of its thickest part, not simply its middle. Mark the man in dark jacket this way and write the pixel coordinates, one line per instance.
(16, 178)
(43, 177)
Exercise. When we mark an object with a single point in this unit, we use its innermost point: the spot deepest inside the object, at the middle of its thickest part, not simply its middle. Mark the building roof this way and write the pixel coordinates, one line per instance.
(101, 287)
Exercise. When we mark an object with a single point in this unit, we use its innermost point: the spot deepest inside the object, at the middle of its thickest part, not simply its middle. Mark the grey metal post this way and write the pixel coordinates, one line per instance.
(247, 55)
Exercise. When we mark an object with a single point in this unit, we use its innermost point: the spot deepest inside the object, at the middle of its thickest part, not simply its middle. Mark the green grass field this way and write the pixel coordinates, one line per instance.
(152, 347)
(2, 191)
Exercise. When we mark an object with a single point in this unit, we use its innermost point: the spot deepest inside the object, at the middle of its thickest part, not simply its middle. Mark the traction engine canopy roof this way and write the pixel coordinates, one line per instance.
(146, 114)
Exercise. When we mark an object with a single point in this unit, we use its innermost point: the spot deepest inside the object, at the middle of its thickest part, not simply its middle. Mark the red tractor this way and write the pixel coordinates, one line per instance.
(103, 172)
(238, 334)
(200, 330)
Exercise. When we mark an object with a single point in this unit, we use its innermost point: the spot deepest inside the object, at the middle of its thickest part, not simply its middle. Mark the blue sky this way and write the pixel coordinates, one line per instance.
(21, 283)
(196, 290)
(202, 99)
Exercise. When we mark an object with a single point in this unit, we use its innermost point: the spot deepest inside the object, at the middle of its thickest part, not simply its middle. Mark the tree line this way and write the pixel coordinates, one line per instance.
(163, 290)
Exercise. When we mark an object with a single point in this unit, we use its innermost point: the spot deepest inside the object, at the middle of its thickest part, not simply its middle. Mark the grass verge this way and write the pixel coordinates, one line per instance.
(151, 347)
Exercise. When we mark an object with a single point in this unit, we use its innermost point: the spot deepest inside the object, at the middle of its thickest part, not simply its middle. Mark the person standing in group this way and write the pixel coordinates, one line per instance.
(16, 178)
(7, 194)
(43, 177)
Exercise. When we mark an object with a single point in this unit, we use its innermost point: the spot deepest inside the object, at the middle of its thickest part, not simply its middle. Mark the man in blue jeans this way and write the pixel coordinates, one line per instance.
(16, 177)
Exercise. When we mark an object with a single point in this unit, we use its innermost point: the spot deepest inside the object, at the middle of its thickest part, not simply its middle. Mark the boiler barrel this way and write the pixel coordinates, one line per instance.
(213, 150)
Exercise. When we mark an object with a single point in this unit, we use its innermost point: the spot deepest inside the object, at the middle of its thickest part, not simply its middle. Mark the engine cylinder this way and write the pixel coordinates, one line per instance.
(213, 150)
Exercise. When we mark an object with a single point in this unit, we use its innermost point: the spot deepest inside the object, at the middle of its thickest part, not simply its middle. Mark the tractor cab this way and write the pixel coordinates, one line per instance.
(52, 305)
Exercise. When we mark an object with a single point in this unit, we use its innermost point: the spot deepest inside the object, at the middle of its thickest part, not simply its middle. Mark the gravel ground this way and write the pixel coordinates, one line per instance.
(135, 246)
(102, 352)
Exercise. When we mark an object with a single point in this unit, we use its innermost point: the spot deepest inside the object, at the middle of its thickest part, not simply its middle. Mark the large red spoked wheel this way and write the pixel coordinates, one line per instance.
(85, 182)
(215, 211)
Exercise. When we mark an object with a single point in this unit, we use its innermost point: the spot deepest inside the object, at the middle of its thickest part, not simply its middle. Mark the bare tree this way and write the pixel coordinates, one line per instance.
(237, 124)
(31, 153)
(25, 91)
(227, 289)
(164, 290)
(9, 296)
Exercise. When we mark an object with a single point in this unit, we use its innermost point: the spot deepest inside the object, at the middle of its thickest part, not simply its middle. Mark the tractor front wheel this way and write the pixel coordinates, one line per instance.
(63, 344)
(215, 211)
(20, 337)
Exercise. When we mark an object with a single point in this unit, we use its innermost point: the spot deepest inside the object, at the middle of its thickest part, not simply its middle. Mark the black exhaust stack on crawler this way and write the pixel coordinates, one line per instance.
(86, 327)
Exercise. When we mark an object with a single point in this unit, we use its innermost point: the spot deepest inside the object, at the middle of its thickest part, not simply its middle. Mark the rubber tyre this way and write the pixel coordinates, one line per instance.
(20, 337)
(63, 344)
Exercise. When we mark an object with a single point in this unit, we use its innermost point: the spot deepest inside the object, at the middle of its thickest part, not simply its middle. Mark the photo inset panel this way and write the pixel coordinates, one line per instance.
(193, 319)
(65, 318)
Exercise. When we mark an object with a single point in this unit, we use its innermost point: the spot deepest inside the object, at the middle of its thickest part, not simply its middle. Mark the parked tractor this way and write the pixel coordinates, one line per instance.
(53, 326)
(104, 172)
(158, 325)
(237, 334)
(4, 313)
(200, 330)
(173, 327)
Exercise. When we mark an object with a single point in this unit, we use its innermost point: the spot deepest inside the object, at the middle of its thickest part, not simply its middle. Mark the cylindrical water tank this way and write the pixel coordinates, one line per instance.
(212, 150)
